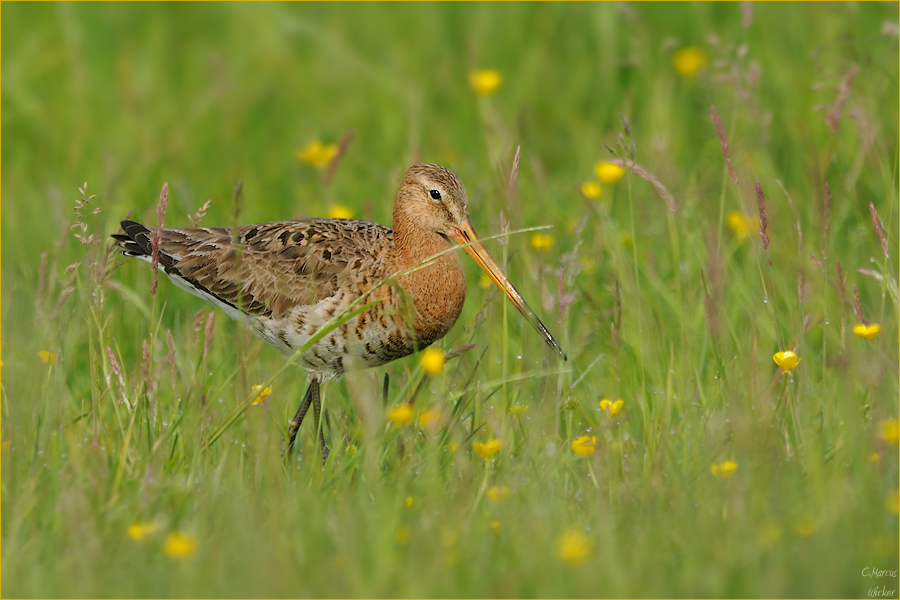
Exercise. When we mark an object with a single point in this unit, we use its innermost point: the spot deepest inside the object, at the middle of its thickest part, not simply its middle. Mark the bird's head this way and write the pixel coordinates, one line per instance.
(434, 199)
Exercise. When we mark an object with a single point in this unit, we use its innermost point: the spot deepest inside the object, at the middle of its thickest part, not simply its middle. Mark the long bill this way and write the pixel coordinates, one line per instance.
(464, 235)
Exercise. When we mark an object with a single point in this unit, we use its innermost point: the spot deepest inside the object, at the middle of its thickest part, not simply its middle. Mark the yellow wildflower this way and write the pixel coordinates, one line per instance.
(587, 263)
(541, 241)
(400, 415)
(770, 535)
(47, 358)
(453, 446)
(611, 408)
(402, 535)
(432, 361)
(263, 393)
(889, 431)
(591, 189)
(805, 527)
(139, 531)
(495, 526)
(484, 282)
(517, 409)
(741, 225)
(317, 154)
(340, 212)
(867, 332)
(584, 446)
(409, 501)
(892, 503)
(724, 469)
(573, 547)
(873, 458)
(608, 173)
(689, 61)
(180, 546)
(498, 494)
(486, 450)
(485, 81)
(429, 418)
(787, 360)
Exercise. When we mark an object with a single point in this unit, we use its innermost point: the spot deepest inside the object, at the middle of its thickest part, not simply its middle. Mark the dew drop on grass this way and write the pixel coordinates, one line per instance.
(766, 299)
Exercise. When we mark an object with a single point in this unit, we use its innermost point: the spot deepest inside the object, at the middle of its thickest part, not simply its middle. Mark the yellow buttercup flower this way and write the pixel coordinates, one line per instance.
(741, 225)
(771, 534)
(409, 501)
(47, 358)
(873, 458)
(139, 531)
(400, 415)
(485, 81)
(585, 445)
(495, 526)
(805, 527)
(488, 449)
(724, 469)
(517, 409)
(889, 431)
(429, 418)
(787, 360)
(317, 154)
(611, 408)
(689, 61)
(432, 361)
(573, 547)
(402, 535)
(541, 241)
(484, 282)
(608, 173)
(180, 546)
(340, 212)
(867, 332)
(263, 393)
(498, 494)
(591, 189)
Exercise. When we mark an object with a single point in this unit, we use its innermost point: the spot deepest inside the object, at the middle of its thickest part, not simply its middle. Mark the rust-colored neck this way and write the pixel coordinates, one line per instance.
(438, 291)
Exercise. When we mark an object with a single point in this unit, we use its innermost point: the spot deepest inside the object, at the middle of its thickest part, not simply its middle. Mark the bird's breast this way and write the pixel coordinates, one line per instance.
(438, 293)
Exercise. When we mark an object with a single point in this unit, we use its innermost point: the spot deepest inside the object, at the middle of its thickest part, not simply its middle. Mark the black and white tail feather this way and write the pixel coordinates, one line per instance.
(137, 241)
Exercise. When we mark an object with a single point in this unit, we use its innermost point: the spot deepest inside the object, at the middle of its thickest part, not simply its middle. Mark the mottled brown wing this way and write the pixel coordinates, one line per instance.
(273, 267)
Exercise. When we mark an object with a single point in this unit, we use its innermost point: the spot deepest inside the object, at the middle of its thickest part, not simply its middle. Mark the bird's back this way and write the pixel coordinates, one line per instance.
(284, 280)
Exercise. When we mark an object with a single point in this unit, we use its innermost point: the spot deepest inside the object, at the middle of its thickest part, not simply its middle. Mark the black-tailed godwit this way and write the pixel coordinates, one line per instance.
(286, 280)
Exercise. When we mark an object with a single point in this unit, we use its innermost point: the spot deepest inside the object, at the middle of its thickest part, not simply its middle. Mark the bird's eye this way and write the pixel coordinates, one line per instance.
(435, 195)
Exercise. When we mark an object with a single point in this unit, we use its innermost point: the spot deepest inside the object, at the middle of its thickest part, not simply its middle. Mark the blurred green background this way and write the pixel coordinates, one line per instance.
(107, 487)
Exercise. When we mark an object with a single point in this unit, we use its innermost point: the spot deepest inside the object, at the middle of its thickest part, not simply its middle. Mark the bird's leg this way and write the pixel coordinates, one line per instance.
(384, 388)
(294, 426)
(317, 413)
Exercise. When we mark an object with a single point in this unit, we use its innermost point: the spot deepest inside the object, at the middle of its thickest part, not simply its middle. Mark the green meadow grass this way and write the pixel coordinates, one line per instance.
(672, 312)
